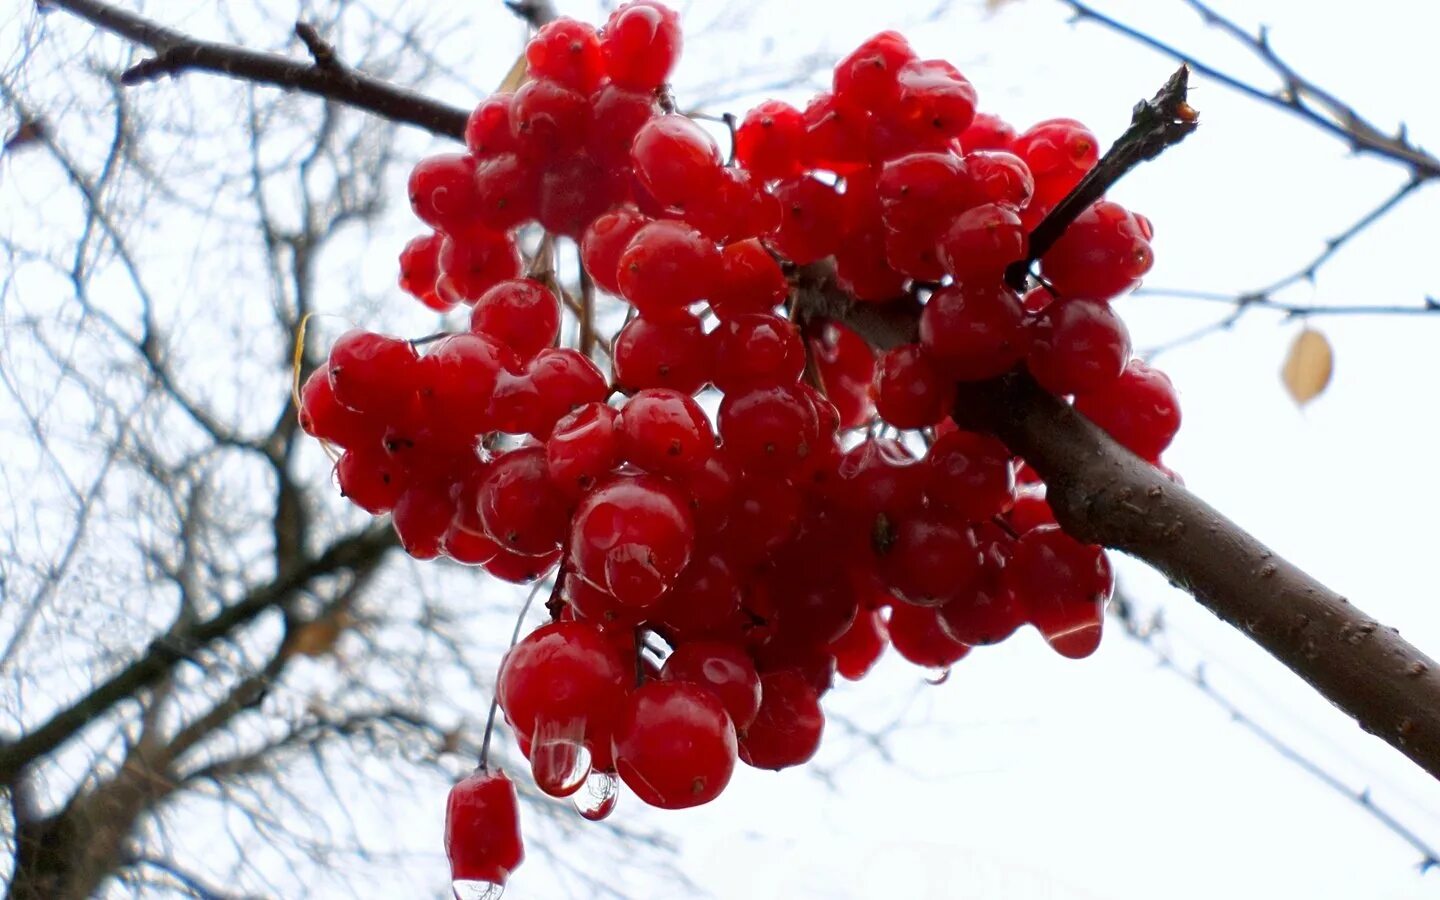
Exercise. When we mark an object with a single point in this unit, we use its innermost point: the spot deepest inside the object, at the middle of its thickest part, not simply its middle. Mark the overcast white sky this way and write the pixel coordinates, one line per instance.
(1026, 775)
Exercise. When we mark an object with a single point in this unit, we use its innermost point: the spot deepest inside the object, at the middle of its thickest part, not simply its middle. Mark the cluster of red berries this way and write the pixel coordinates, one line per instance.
(715, 573)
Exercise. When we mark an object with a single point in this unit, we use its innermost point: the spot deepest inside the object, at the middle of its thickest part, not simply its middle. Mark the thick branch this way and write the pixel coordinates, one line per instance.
(176, 52)
(1103, 494)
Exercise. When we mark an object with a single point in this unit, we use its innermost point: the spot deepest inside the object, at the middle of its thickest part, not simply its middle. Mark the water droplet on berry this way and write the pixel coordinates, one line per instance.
(938, 676)
(559, 759)
(476, 890)
(596, 799)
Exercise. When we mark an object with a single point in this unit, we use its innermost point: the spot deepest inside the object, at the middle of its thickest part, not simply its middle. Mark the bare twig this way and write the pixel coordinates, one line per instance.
(1158, 123)
(1298, 96)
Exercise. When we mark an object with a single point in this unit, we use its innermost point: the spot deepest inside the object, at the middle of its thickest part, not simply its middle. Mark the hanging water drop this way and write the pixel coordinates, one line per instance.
(596, 799)
(559, 759)
(477, 890)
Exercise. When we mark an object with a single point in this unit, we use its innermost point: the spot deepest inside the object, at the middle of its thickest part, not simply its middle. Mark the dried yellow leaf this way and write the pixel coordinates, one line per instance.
(1308, 366)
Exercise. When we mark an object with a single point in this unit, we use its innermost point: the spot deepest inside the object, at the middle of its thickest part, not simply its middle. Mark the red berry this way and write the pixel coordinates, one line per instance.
(664, 432)
(420, 270)
(641, 42)
(372, 373)
(482, 829)
(572, 194)
(605, 239)
(568, 52)
(910, 392)
(973, 330)
(926, 559)
(879, 475)
(724, 669)
(1063, 585)
(867, 77)
(617, 114)
(757, 349)
(787, 729)
(1103, 253)
(667, 266)
(835, 134)
(672, 352)
(519, 507)
(982, 241)
(518, 569)
(769, 428)
(1059, 152)
(1139, 409)
(475, 259)
(999, 177)
(988, 613)
(369, 479)
(987, 132)
(583, 448)
(674, 745)
(442, 191)
(859, 648)
(675, 160)
(970, 475)
(563, 672)
(769, 142)
(810, 220)
(507, 191)
(921, 192)
(704, 598)
(522, 314)
(458, 378)
(1077, 346)
(846, 366)
(632, 536)
(421, 518)
(935, 99)
(488, 130)
(548, 119)
(735, 208)
(751, 281)
(555, 382)
(324, 417)
(916, 634)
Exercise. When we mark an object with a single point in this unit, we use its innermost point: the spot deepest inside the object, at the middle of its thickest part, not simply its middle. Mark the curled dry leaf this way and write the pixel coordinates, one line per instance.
(1308, 366)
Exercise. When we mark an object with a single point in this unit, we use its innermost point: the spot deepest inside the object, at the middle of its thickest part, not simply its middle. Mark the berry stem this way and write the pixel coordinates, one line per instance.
(495, 698)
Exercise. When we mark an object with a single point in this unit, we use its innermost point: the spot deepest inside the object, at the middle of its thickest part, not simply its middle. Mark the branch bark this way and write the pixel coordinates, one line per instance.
(1103, 494)
(177, 52)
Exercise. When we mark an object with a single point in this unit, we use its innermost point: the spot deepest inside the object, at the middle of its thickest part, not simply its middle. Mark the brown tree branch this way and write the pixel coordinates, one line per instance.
(1103, 494)
(176, 53)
